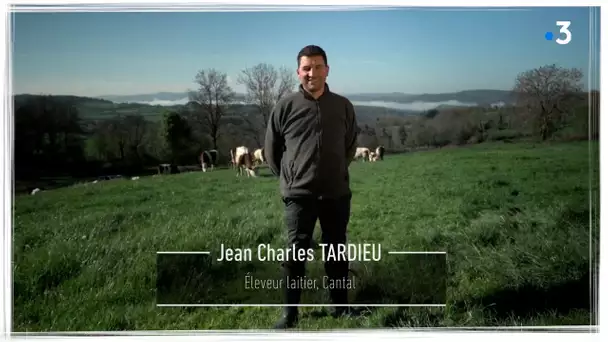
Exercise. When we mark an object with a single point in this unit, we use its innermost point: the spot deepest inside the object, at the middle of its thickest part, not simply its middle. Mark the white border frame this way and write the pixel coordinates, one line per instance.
(158, 5)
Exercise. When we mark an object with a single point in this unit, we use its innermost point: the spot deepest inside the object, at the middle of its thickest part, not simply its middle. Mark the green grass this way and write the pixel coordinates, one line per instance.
(513, 218)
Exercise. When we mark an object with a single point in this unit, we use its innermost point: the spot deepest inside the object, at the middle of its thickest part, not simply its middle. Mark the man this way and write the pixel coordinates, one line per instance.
(311, 138)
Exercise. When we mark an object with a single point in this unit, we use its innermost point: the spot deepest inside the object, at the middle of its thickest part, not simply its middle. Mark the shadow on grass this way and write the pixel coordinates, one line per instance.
(515, 305)
(266, 175)
(27, 285)
(531, 300)
(568, 290)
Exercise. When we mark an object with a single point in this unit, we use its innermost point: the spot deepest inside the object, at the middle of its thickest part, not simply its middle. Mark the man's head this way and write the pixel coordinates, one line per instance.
(312, 68)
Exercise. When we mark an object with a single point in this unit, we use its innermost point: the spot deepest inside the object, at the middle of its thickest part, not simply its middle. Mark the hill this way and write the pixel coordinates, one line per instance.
(176, 97)
(477, 97)
(481, 97)
(516, 233)
(98, 109)
(381, 105)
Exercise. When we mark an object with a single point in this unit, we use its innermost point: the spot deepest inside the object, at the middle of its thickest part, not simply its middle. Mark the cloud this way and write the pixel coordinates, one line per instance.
(157, 102)
(414, 106)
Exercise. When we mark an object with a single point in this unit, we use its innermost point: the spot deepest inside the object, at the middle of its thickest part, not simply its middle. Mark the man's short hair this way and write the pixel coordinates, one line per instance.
(310, 51)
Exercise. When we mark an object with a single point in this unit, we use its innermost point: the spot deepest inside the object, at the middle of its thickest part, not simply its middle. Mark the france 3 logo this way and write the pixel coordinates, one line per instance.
(565, 35)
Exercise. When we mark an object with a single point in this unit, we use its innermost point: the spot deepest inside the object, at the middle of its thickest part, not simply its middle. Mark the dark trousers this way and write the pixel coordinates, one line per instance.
(301, 215)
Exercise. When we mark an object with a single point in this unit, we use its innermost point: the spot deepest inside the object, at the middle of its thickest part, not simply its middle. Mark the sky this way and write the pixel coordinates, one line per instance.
(399, 50)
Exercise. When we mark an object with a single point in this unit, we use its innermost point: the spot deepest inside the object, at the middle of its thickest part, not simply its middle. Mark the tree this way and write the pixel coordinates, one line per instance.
(548, 93)
(176, 136)
(388, 136)
(119, 134)
(431, 113)
(265, 86)
(48, 134)
(211, 99)
(367, 137)
(136, 127)
(100, 142)
(402, 135)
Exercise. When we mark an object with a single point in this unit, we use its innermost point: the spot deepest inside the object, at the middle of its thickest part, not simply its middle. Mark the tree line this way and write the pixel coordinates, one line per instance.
(52, 138)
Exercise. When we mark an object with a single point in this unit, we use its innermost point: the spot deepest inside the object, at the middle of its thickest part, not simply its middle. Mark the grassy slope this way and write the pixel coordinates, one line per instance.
(513, 218)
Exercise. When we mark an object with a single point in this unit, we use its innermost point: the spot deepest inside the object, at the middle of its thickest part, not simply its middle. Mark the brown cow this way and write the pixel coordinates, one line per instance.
(243, 161)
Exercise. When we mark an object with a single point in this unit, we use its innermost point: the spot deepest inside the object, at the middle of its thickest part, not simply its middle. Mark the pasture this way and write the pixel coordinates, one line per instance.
(513, 218)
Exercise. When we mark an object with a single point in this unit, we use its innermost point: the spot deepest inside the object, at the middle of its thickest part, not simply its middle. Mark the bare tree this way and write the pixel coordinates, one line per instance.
(212, 99)
(252, 127)
(367, 137)
(265, 86)
(548, 93)
(136, 126)
(119, 135)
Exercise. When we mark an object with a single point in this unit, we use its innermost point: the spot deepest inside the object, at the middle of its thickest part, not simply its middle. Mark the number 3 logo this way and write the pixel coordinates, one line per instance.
(564, 29)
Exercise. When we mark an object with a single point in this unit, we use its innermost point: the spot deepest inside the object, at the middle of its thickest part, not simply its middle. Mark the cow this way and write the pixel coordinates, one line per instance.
(167, 168)
(380, 152)
(362, 152)
(232, 159)
(209, 159)
(243, 161)
(373, 156)
(258, 156)
(238, 152)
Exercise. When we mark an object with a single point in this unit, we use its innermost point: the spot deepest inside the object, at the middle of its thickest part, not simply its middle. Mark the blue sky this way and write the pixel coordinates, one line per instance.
(410, 51)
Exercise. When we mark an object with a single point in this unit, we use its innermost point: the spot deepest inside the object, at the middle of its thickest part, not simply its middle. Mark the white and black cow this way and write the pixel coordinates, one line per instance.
(209, 159)
(380, 152)
(373, 156)
(258, 156)
(362, 153)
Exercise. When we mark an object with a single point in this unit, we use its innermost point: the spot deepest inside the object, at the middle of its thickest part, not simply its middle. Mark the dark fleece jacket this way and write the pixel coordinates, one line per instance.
(310, 143)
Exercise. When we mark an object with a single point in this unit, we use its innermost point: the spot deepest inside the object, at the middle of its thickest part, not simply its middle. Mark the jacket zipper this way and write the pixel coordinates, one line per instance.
(319, 145)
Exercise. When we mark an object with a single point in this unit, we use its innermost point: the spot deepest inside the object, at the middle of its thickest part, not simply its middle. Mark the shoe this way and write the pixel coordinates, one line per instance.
(288, 320)
(339, 297)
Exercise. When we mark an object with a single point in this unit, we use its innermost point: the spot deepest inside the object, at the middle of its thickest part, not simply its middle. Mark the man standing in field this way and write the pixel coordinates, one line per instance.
(311, 138)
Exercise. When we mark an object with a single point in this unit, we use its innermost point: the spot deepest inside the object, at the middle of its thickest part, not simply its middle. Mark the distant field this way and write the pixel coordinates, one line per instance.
(513, 218)
(99, 111)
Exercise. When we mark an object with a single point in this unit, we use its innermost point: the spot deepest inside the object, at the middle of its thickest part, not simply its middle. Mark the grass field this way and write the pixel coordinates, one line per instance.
(513, 218)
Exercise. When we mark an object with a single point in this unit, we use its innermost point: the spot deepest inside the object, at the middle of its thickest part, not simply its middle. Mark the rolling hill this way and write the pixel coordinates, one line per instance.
(369, 107)
(479, 97)
(96, 109)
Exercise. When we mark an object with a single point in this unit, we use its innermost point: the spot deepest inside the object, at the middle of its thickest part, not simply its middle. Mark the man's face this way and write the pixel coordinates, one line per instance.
(312, 73)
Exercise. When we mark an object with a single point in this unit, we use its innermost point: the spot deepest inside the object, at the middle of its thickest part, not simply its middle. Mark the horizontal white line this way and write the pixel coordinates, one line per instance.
(183, 252)
(403, 252)
(392, 252)
(299, 305)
